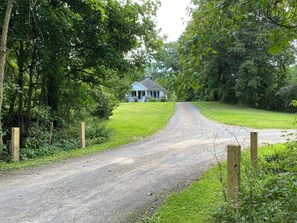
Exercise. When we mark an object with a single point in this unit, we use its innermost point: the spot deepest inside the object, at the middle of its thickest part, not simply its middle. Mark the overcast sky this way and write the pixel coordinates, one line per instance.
(172, 17)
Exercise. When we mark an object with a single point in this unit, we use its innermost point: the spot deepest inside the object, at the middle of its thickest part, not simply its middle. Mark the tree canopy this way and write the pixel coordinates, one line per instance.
(238, 51)
(65, 57)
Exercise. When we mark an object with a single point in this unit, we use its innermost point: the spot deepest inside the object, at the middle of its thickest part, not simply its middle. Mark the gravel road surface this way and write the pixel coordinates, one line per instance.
(120, 184)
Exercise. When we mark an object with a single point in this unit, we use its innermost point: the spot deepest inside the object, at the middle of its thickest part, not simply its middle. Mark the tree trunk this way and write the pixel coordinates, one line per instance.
(31, 86)
(21, 87)
(30, 94)
(3, 57)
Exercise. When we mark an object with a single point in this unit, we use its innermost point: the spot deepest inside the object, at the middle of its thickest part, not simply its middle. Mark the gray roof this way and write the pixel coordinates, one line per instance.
(151, 85)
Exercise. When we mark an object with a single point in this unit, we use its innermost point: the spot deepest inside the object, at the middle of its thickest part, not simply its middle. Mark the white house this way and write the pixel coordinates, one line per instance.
(146, 89)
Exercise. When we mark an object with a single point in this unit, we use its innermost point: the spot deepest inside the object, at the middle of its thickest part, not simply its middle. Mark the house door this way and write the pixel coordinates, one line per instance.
(141, 94)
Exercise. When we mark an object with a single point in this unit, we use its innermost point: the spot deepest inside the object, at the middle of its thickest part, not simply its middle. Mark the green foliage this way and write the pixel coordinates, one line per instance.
(152, 100)
(105, 101)
(65, 61)
(165, 67)
(269, 193)
(97, 132)
(37, 143)
(287, 94)
(226, 55)
(4, 153)
(163, 99)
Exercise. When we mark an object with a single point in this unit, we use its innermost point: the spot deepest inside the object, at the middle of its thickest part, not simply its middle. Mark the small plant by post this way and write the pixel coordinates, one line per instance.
(15, 144)
(82, 135)
(254, 148)
(233, 169)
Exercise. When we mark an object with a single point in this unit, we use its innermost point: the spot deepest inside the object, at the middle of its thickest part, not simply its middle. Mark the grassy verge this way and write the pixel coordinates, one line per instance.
(130, 122)
(198, 202)
(194, 204)
(254, 118)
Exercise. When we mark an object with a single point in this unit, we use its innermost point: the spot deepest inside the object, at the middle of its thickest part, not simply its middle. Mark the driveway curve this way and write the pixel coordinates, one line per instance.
(117, 185)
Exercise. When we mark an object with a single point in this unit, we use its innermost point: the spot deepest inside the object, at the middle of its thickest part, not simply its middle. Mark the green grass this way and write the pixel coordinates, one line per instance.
(197, 203)
(254, 118)
(130, 122)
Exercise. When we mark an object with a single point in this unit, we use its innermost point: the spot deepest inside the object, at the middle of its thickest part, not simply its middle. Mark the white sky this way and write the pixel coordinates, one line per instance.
(172, 18)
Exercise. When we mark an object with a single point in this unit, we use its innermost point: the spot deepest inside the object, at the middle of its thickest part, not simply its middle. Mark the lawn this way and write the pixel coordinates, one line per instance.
(254, 118)
(130, 122)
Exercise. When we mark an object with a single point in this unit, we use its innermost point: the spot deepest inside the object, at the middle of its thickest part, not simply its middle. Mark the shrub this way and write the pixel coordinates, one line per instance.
(163, 99)
(4, 153)
(152, 100)
(97, 132)
(105, 101)
(4, 150)
(37, 143)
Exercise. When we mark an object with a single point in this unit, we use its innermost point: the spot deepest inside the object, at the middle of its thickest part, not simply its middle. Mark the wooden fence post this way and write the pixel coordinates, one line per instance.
(254, 149)
(15, 144)
(82, 135)
(233, 159)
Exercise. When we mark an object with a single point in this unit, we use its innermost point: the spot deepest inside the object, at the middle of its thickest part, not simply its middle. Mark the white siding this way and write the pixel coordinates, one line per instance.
(138, 87)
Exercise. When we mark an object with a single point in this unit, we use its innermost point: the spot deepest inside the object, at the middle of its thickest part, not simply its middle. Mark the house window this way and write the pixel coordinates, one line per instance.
(133, 93)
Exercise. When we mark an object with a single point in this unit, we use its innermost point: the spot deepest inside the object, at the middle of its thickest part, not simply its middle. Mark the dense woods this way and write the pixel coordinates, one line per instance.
(240, 52)
(69, 60)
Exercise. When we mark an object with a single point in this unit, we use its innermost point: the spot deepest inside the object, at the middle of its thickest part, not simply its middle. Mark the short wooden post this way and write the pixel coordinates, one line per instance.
(233, 159)
(15, 144)
(254, 149)
(82, 135)
(51, 128)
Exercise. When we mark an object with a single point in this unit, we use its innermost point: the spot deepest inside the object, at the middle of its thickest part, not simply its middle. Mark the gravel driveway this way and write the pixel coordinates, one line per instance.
(118, 185)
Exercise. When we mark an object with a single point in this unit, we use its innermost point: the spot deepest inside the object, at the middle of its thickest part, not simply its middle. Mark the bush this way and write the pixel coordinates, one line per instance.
(97, 133)
(163, 99)
(105, 101)
(37, 143)
(4, 153)
(152, 100)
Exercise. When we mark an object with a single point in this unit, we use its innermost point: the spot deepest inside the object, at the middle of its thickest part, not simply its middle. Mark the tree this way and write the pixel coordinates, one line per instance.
(165, 67)
(3, 56)
(62, 50)
(224, 59)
